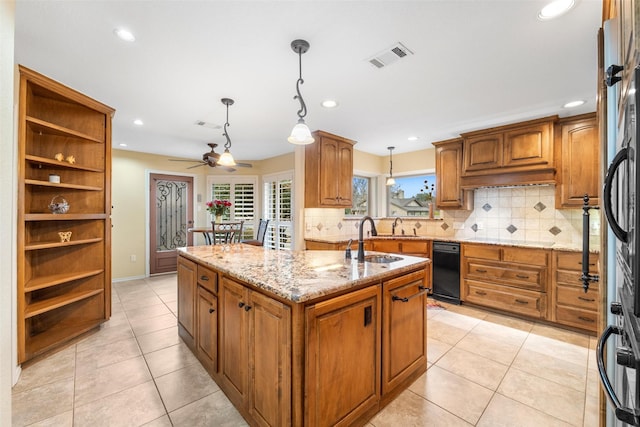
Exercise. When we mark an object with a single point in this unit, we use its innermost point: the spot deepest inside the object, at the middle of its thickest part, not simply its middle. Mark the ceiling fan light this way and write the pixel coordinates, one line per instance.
(390, 181)
(226, 159)
(301, 135)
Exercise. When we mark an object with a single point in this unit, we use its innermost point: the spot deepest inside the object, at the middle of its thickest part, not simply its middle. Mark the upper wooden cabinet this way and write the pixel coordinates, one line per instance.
(449, 193)
(328, 171)
(578, 161)
(63, 256)
(520, 153)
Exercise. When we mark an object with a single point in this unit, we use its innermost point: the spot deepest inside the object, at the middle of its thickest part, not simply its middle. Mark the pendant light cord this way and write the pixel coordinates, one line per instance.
(303, 107)
(227, 144)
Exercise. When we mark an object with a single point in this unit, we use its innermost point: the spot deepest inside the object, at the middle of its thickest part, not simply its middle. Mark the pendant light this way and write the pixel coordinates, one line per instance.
(300, 135)
(226, 159)
(390, 180)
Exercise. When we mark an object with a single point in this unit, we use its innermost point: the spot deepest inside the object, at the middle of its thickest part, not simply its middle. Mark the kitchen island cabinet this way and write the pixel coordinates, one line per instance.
(305, 338)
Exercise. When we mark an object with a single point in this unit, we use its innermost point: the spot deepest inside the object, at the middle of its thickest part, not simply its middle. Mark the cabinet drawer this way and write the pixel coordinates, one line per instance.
(526, 256)
(577, 317)
(481, 251)
(514, 300)
(413, 247)
(208, 279)
(392, 246)
(572, 278)
(573, 261)
(521, 278)
(574, 296)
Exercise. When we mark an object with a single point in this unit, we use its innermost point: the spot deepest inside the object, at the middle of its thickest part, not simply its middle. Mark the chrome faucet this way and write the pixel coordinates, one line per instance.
(361, 238)
(395, 224)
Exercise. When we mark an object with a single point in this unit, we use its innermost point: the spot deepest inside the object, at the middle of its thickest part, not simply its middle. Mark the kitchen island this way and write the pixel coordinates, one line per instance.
(303, 338)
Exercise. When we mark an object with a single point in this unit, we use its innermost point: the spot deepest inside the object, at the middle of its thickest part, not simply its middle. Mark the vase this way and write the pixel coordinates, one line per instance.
(218, 219)
(430, 204)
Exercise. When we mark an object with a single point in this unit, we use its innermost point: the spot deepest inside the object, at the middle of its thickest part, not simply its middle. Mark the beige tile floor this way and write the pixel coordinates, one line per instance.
(484, 370)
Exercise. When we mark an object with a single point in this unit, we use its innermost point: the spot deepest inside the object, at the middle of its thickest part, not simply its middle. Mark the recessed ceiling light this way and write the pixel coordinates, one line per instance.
(138, 122)
(329, 103)
(413, 138)
(122, 145)
(555, 9)
(125, 35)
(573, 104)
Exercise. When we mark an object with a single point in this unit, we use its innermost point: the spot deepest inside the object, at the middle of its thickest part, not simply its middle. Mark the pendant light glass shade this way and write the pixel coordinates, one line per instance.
(301, 135)
(226, 159)
(390, 180)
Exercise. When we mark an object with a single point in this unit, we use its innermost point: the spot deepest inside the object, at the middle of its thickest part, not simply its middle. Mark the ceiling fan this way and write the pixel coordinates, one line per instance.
(210, 158)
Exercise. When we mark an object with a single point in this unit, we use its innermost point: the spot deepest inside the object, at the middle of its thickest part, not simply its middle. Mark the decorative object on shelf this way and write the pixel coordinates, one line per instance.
(59, 157)
(58, 205)
(300, 135)
(226, 159)
(390, 180)
(54, 178)
(218, 208)
(427, 194)
(65, 236)
(71, 159)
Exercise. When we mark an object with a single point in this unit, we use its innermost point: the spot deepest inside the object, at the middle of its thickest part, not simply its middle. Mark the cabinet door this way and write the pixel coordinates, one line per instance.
(187, 295)
(528, 146)
(345, 174)
(448, 172)
(483, 153)
(270, 361)
(207, 336)
(404, 339)
(329, 171)
(233, 340)
(580, 164)
(343, 358)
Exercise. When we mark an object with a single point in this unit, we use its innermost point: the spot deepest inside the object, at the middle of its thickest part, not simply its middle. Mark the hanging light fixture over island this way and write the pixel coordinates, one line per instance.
(300, 135)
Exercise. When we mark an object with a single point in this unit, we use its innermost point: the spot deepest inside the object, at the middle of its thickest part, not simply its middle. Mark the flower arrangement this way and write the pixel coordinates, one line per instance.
(218, 207)
(428, 191)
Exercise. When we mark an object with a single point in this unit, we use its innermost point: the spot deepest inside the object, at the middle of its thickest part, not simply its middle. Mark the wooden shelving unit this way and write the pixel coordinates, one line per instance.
(64, 288)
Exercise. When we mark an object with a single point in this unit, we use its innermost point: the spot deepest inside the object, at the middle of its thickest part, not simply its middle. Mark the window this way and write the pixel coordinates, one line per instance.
(241, 192)
(411, 195)
(278, 209)
(360, 200)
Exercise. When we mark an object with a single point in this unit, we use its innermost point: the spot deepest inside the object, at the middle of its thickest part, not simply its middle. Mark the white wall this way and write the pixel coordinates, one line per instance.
(8, 207)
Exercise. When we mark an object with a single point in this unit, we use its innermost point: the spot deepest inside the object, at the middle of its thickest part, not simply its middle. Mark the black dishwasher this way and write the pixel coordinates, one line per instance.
(446, 271)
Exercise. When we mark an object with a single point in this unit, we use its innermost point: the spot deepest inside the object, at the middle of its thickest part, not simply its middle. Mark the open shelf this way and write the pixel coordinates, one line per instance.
(48, 245)
(58, 279)
(57, 164)
(40, 343)
(57, 302)
(63, 217)
(46, 127)
(60, 185)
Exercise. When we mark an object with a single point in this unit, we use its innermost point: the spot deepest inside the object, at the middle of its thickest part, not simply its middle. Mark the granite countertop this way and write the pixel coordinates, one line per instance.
(484, 240)
(298, 276)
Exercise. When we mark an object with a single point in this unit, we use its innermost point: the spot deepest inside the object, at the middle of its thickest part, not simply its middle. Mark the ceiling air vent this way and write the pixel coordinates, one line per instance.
(390, 55)
(207, 124)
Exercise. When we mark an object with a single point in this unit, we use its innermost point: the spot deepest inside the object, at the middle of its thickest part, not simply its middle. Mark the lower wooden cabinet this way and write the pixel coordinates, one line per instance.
(186, 300)
(207, 329)
(404, 329)
(343, 356)
(255, 343)
(571, 305)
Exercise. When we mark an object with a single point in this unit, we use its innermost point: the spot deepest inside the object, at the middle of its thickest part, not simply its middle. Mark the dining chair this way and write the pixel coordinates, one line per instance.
(226, 232)
(262, 231)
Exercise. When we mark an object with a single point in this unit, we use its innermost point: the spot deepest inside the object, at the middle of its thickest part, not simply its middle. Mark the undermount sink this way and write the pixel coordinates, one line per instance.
(381, 258)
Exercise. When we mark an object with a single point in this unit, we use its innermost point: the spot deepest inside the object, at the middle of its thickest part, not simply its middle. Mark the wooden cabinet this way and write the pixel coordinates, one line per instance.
(255, 341)
(449, 192)
(207, 329)
(404, 329)
(314, 245)
(578, 155)
(570, 304)
(343, 355)
(328, 171)
(64, 256)
(187, 283)
(506, 278)
(521, 153)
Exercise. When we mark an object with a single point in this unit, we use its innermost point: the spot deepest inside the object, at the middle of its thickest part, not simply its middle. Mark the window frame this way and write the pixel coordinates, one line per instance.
(250, 226)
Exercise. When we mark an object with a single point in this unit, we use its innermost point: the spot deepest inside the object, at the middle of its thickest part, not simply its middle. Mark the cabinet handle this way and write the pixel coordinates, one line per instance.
(204, 278)
(241, 304)
(479, 270)
(211, 310)
(247, 307)
(406, 299)
(424, 288)
(519, 301)
(586, 299)
(522, 276)
(367, 316)
(480, 293)
(586, 319)
(590, 264)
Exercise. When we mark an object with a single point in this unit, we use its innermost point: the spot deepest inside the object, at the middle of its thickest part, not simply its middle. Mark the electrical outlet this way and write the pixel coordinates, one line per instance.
(133, 258)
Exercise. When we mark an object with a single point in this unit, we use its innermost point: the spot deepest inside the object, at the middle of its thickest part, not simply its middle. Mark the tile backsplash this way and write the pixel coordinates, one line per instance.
(506, 213)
